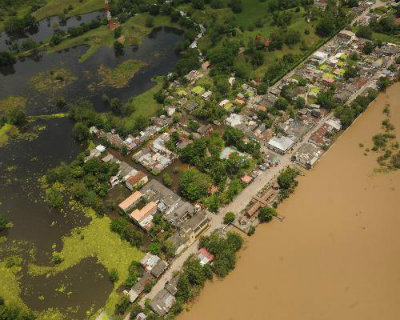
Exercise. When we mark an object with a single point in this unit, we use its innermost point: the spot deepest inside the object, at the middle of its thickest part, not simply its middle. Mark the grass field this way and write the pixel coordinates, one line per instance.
(119, 76)
(133, 30)
(145, 105)
(56, 7)
(95, 240)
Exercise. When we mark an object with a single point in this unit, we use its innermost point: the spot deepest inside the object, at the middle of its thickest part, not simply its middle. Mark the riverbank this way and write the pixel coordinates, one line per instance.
(333, 256)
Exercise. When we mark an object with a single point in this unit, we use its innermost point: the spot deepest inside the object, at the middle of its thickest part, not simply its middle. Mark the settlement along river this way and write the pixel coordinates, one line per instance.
(337, 253)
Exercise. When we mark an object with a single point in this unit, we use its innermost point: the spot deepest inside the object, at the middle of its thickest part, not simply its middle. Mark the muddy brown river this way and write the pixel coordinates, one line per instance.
(337, 253)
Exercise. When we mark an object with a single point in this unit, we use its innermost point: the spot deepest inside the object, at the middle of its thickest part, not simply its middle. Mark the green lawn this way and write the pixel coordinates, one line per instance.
(95, 240)
(56, 7)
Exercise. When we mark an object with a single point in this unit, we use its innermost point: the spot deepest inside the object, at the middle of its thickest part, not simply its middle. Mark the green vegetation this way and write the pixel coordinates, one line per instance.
(229, 217)
(52, 80)
(119, 76)
(12, 102)
(10, 288)
(266, 214)
(68, 7)
(7, 131)
(287, 182)
(125, 229)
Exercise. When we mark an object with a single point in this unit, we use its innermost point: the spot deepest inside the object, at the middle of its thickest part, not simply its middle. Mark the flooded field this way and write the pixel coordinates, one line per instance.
(157, 52)
(336, 255)
(37, 230)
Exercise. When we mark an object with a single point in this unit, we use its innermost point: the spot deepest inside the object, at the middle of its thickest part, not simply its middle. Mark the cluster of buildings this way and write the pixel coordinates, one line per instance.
(131, 142)
(156, 156)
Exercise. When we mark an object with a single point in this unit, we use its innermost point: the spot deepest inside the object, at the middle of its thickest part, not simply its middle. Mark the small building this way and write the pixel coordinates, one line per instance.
(172, 285)
(149, 261)
(307, 155)
(138, 288)
(246, 179)
(234, 120)
(204, 256)
(136, 181)
(129, 203)
(141, 316)
(280, 144)
(320, 56)
(162, 302)
(206, 95)
(144, 216)
(159, 268)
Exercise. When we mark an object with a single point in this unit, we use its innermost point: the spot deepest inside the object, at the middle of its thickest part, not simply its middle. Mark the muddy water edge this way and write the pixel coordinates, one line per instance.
(336, 255)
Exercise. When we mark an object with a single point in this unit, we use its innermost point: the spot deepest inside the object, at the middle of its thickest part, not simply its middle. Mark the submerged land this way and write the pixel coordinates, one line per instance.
(142, 145)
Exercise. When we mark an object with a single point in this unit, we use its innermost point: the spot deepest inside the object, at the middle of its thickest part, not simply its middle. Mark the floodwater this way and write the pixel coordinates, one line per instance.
(46, 27)
(36, 228)
(157, 51)
(336, 255)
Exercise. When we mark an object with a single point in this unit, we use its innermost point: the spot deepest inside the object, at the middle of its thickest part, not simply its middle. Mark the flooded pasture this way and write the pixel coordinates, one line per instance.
(336, 255)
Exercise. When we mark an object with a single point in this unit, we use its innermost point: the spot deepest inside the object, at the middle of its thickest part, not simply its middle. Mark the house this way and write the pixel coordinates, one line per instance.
(206, 95)
(129, 203)
(138, 288)
(162, 302)
(149, 261)
(280, 144)
(144, 216)
(172, 285)
(173, 208)
(204, 256)
(141, 316)
(234, 120)
(246, 179)
(194, 226)
(320, 57)
(307, 155)
(136, 180)
(159, 268)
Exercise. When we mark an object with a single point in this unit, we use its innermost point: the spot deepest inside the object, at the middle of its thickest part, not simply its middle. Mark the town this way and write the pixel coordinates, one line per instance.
(344, 70)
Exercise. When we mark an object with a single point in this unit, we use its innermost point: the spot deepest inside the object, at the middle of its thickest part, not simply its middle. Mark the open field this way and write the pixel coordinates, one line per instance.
(133, 30)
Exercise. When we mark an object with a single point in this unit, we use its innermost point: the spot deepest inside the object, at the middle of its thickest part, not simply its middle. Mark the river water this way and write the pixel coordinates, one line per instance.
(336, 255)
(35, 227)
